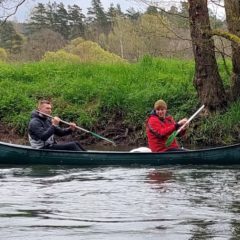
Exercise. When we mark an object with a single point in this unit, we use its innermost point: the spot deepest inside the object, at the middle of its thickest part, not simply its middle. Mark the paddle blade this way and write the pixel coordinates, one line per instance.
(171, 138)
(101, 137)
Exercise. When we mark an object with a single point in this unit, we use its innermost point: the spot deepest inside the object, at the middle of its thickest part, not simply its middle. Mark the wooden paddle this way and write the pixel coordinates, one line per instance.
(79, 128)
(175, 133)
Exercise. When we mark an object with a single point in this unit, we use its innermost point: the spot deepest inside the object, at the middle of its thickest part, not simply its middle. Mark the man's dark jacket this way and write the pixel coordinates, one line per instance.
(41, 131)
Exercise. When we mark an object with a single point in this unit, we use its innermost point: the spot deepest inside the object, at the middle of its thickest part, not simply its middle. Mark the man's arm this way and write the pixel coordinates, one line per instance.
(37, 131)
(62, 131)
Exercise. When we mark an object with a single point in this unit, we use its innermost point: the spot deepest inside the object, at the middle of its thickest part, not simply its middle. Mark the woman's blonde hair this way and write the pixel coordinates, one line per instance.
(160, 104)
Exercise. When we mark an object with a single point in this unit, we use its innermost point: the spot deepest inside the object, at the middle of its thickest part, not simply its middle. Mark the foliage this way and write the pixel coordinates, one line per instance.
(130, 34)
(83, 51)
(97, 15)
(220, 128)
(124, 40)
(148, 34)
(94, 94)
(61, 56)
(153, 31)
(3, 54)
(43, 40)
(9, 38)
(54, 16)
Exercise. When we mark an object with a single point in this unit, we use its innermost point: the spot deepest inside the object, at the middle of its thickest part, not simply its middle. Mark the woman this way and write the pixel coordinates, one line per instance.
(159, 127)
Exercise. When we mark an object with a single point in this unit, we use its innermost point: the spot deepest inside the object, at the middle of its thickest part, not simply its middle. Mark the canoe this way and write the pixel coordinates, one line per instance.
(12, 154)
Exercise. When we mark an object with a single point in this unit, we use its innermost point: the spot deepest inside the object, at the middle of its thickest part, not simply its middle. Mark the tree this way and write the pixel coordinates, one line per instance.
(98, 17)
(183, 20)
(62, 21)
(3, 54)
(113, 13)
(40, 42)
(207, 80)
(51, 12)
(10, 39)
(76, 17)
(53, 16)
(39, 18)
(124, 39)
(9, 8)
(132, 14)
(152, 10)
(232, 8)
(154, 34)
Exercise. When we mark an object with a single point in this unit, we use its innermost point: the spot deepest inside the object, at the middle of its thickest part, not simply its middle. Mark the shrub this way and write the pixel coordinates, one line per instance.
(61, 56)
(3, 54)
(80, 50)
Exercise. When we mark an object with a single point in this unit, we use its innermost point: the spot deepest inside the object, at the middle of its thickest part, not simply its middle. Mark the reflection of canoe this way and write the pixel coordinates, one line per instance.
(18, 154)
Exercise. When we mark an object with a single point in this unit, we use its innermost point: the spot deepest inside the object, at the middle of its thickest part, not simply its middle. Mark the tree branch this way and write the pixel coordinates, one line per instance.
(227, 35)
(217, 3)
(14, 12)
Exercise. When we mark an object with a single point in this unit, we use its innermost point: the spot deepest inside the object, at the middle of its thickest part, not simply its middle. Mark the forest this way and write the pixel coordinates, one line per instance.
(130, 35)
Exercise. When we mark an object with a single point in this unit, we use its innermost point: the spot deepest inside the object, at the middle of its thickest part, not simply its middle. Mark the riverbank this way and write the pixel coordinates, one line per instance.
(112, 100)
(121, 137)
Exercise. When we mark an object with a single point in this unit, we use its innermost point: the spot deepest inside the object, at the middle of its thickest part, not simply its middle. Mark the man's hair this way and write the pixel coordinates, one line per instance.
(43, 101)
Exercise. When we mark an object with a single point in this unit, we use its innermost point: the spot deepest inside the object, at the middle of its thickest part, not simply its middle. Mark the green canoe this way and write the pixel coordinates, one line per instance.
(12, 154)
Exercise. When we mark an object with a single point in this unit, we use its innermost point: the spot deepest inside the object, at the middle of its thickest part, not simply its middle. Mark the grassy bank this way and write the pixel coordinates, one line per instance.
(111, 99)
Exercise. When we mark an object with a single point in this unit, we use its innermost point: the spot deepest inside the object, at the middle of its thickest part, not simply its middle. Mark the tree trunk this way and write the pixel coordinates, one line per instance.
(232, 8)
(207, 79)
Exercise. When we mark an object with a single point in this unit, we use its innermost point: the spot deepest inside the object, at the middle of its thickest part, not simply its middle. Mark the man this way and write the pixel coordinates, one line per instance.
(159, 127)
(41, 130)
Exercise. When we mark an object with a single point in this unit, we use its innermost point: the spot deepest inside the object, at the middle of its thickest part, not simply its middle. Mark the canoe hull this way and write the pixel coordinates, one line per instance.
(23, 155)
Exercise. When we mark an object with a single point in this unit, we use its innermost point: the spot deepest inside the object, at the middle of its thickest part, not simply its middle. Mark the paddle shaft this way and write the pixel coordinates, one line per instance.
(79, 128)
(190, 119)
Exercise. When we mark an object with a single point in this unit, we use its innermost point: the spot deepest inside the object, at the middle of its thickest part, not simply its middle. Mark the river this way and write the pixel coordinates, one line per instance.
(115, 203)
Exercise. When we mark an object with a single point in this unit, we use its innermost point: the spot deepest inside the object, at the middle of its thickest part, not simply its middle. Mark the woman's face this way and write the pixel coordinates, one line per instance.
(161, 112)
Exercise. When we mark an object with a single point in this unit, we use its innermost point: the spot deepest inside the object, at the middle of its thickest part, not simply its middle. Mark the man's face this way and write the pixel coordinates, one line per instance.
(161, 112)
(45, 108)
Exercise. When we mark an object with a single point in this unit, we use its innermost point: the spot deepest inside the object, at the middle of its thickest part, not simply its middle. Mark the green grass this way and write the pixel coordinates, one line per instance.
(92, 94)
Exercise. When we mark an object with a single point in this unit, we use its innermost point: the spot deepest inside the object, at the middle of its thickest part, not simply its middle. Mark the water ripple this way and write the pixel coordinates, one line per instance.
(119, 203)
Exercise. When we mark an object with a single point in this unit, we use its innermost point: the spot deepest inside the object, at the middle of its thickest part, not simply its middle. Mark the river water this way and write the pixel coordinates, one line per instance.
(61, 203)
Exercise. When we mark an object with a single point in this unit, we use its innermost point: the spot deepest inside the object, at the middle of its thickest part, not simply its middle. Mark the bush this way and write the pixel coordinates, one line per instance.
(61, 56)
(3, 54)
(83, 51)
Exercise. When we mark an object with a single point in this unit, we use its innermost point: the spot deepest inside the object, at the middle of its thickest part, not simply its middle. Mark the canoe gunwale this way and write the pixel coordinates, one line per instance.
(25, 147)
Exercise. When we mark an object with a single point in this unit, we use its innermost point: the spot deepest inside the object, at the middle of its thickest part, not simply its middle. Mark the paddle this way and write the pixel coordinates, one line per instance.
(175, 133)
(82, 129)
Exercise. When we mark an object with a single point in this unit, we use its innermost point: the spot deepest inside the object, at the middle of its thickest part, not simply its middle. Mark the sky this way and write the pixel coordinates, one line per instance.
(25, 9)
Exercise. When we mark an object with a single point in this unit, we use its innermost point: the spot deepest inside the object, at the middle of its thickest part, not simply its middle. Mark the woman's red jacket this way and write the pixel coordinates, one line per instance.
(158, 132)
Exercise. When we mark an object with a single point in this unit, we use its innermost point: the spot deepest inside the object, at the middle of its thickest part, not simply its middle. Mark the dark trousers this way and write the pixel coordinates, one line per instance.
(71, 146)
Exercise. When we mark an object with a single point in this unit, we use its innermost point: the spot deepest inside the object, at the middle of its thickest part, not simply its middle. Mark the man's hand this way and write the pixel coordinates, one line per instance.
(72, 126)
(56, 121)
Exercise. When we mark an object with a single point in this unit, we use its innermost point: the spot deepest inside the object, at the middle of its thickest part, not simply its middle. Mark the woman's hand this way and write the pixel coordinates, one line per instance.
(182, 122)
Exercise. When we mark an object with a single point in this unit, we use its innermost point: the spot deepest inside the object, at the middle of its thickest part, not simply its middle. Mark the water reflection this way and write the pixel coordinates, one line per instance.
(119, 203)
(158, 177)
(201, 230)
